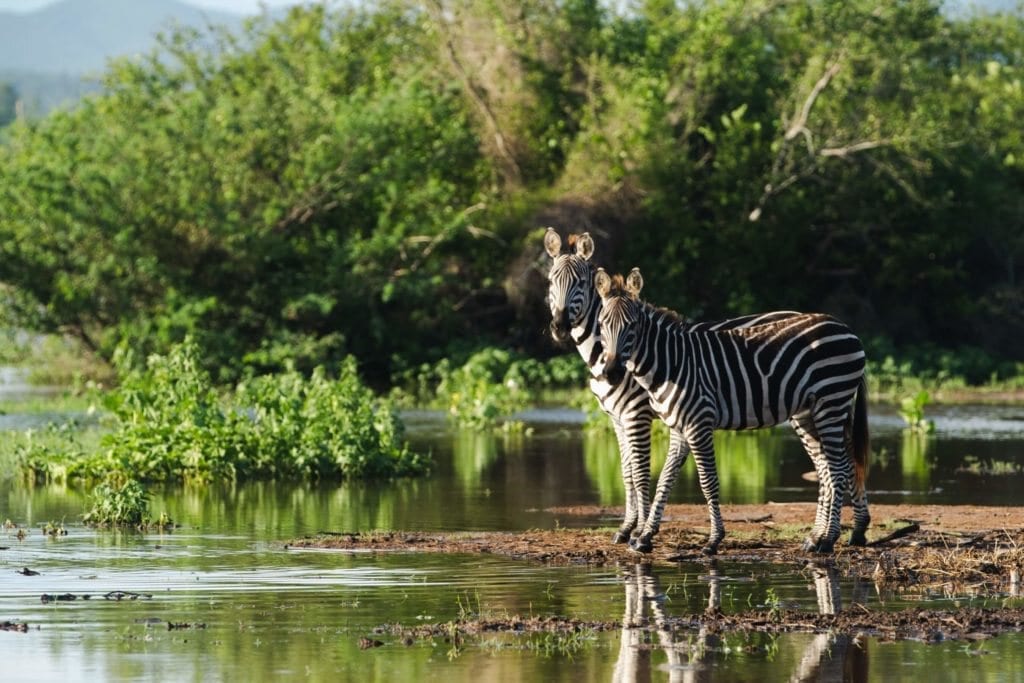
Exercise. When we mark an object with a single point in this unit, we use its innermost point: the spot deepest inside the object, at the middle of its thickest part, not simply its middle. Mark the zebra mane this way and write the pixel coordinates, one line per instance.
(670, 315)
(618, 288)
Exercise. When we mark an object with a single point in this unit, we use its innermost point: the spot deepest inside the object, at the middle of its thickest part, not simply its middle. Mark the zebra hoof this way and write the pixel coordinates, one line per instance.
(858, 538)
(620, 537)
(820, 546)
(641, 544)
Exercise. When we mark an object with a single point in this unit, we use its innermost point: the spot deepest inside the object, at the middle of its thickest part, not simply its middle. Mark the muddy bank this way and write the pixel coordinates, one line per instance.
(957, 547)
(926, 625)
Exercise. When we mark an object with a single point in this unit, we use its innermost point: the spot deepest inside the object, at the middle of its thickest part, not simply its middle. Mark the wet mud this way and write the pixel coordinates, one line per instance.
(933, 551)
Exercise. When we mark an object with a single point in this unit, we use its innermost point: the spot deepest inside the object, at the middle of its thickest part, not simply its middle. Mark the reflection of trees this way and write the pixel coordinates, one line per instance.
(283, 510)
(828, 657)
(472, 453)
(748, 464)
(914, 462)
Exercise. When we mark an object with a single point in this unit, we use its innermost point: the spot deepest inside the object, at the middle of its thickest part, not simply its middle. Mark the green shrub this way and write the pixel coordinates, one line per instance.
(171, 424)
(323, 428)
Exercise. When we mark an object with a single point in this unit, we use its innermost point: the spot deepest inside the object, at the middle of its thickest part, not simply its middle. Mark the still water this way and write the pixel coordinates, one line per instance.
(252, 609)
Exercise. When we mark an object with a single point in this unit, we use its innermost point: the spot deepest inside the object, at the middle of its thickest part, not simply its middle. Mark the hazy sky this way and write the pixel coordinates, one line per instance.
(240, 6)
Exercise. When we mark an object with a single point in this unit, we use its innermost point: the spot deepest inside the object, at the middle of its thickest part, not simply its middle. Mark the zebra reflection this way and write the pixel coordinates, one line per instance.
(639, 629)
(690, 657)
(833, 656)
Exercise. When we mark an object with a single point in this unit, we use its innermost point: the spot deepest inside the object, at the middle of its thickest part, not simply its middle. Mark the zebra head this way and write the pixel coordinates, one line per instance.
(570, 281)
(620, 311)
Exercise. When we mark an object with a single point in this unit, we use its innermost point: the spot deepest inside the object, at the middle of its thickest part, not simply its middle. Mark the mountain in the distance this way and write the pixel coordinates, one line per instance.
(78, 36)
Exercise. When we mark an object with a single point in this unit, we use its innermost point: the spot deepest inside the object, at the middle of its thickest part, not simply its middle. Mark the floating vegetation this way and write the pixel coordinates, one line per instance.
(54, 529)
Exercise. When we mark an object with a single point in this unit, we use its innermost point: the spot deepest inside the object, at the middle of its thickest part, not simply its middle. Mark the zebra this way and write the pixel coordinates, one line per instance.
(574, 316)
(805, 368)
(575, 308)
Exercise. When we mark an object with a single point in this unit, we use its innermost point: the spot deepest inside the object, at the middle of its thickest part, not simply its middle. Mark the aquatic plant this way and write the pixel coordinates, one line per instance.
(911, 409)
(126, 504)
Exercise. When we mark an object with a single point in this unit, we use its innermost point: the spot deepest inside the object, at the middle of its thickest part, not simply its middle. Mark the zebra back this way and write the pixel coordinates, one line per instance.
(738, 377)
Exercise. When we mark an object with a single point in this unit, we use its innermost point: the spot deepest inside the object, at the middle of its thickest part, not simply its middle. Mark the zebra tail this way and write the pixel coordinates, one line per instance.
(861, 438)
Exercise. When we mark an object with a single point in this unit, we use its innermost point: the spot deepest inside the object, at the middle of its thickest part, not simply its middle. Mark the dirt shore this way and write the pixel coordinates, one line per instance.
(954, 545)
(952, 549)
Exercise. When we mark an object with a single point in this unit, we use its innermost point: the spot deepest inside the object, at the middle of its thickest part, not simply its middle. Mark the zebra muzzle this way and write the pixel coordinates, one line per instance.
(612, 371)
(560, 327)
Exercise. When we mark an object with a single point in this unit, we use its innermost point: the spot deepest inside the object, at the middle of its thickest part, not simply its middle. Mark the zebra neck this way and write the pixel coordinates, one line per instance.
(658, 332)
(587, 335)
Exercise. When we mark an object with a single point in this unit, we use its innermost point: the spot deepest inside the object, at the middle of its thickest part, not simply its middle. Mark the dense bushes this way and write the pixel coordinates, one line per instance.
(369, 182)
(169, 423)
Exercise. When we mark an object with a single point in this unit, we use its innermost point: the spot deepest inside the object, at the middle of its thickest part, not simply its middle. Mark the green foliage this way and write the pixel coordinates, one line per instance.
(279, 189)
(325, 428)
(362, 182)
(171, 424)
(489, 386)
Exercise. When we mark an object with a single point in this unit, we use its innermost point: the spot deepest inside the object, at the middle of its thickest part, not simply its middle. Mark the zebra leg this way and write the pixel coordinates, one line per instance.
(861, 516)
(830, 426)
(859, 501)
(677, 450)
(707, 472)
(625, 460)
(804, 426)
(640, 460)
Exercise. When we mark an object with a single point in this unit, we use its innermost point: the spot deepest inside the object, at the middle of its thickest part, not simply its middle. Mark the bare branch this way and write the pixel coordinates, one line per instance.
(853, 149)
(434, 241)
(800, 124)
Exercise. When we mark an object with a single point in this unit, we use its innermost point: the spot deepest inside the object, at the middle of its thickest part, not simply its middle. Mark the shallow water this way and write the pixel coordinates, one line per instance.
(257, 610)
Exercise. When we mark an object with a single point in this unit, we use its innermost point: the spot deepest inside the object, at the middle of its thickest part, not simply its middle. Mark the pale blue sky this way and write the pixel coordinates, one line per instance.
(239, 6)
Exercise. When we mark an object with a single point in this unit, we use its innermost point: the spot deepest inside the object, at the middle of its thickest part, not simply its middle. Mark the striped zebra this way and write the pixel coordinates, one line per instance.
(575, 308)
(807, 369)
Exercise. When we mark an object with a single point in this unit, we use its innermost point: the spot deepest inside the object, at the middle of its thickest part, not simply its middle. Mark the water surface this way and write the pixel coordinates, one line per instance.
(254, 609)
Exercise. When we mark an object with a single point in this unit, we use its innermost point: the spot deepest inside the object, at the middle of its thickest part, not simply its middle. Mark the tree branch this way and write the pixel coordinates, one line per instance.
(852, 149)
(514, 174)
(800, 124)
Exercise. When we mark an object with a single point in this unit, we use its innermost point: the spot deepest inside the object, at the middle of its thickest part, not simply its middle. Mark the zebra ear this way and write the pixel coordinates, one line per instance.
(603, 282)
(634, 282)
(585, 246)
(552, 243)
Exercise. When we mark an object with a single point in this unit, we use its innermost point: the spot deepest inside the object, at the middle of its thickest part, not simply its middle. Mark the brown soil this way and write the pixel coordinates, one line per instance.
(943, 544)
(950, 549)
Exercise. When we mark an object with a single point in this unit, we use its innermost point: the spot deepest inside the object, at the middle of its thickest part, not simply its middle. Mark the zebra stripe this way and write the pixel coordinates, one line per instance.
(575, 316)
(805, 368)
